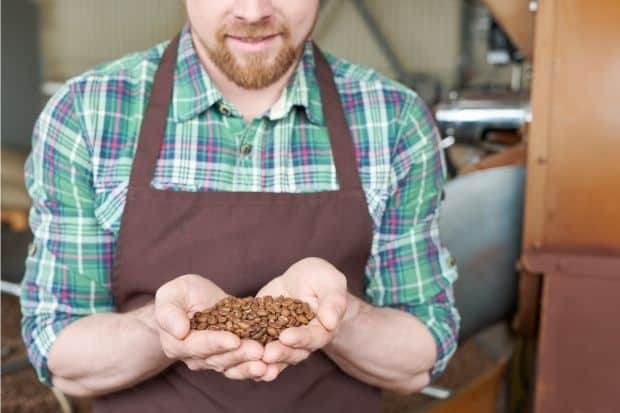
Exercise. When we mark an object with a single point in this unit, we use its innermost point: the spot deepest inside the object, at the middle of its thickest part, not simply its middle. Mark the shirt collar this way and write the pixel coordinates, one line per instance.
(194, 91)
(301, 91)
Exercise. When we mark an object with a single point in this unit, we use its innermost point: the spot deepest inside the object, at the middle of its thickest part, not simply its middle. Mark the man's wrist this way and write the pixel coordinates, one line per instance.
(355, 307)
(146, 316)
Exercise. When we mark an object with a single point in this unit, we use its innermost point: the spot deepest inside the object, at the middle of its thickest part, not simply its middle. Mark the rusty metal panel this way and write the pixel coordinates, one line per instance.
(572, 200)
(579, 347)
(573, 167)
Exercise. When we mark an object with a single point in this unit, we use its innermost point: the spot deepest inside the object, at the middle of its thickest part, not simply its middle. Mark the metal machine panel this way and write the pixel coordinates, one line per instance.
(480, 223)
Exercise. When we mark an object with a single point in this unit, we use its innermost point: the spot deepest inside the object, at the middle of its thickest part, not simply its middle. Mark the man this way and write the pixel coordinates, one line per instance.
(239, 160)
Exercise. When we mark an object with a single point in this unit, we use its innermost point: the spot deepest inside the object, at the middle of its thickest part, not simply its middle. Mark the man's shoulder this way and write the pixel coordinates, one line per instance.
(104, 91)
(357, 78)
(131, 69)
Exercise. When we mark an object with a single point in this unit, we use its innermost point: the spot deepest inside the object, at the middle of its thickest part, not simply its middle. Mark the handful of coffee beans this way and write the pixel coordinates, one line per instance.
(258, 318)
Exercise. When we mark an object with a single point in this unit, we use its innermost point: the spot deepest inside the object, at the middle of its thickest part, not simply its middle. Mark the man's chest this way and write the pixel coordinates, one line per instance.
(212, 153)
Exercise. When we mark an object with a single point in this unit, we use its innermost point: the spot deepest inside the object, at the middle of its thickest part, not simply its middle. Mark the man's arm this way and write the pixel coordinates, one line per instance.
(407, 337)
(410, 334)
(68, 266)
(74, 339)
(103, 353)
(384, 347)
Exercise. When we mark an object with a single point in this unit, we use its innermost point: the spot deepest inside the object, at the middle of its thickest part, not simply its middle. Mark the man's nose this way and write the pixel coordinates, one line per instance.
(253, 11)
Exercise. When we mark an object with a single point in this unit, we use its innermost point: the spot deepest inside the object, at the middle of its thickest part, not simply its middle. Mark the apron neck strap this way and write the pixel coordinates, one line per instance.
(340, 137)
(153, 126)
(154, 121)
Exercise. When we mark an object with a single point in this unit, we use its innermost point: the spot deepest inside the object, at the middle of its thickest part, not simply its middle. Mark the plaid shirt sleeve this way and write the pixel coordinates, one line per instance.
(409, 269)
(67, 267)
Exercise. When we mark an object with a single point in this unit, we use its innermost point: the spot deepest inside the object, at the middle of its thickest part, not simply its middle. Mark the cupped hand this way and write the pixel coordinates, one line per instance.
(324, 288)
(175, 303)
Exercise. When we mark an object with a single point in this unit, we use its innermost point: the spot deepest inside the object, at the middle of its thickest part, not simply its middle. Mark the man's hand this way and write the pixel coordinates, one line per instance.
(324, 288)
(175, 303)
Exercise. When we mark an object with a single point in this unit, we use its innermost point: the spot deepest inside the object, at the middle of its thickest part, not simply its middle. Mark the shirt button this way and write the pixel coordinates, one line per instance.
(245, 149)
(451, 262)
(225, 110)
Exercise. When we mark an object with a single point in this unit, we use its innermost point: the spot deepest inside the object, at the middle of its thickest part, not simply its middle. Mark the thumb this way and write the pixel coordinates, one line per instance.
(331, 310)
(173, 320)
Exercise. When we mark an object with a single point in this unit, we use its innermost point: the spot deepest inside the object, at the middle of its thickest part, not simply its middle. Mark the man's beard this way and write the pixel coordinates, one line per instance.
(255, 72)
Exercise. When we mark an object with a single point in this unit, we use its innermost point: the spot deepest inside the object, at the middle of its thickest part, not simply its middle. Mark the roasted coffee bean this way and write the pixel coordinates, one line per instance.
(261, 319)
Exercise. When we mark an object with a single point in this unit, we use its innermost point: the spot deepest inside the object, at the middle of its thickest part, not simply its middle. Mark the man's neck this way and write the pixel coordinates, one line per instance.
(251, 103)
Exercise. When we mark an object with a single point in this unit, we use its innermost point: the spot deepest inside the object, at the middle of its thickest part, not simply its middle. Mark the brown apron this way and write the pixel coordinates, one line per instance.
(239, 240)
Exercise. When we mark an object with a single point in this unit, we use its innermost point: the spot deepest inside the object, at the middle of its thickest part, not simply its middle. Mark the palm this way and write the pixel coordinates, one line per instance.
(316, 282)
(200, 294)
(280, 286)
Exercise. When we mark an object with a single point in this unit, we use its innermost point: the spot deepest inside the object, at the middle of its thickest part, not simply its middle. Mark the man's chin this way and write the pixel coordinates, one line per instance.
(253, 69)
(262, 58)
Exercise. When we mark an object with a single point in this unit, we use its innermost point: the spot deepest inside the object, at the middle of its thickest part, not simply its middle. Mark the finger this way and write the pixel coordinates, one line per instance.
(332, 307)
(311, 337)
(272, 372)
(181, 297)
(200, 365)
(198, 344)
(170, 307)
(205, 343)
(247, 370)
(249, 350)
(200, 292)
(173, 319)
(195, 365)
(273, 288)
(276, 352)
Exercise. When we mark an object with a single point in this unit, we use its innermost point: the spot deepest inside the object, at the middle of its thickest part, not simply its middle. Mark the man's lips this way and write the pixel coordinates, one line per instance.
(254, 44)
(254, 39)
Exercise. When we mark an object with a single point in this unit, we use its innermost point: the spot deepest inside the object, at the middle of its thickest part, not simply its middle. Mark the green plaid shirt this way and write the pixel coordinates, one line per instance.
(84, 143)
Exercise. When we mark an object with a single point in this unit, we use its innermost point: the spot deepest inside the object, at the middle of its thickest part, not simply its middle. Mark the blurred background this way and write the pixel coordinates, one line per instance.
(473, 63)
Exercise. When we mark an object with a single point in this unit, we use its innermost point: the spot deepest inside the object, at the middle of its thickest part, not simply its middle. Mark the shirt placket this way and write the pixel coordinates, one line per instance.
(244, 138)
